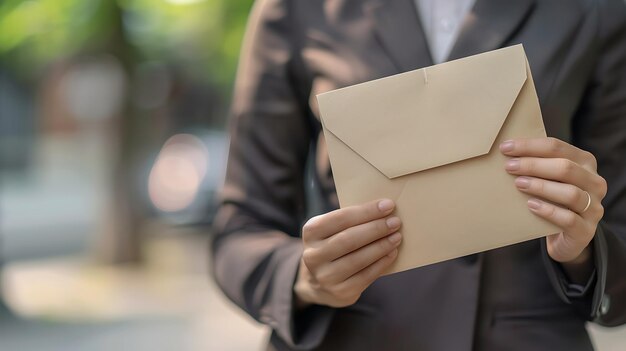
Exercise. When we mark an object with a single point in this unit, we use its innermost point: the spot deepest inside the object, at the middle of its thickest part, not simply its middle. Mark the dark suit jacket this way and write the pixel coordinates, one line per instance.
(514, 298)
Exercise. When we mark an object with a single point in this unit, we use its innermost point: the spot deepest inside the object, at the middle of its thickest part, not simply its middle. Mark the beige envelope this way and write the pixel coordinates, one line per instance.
(429, 139)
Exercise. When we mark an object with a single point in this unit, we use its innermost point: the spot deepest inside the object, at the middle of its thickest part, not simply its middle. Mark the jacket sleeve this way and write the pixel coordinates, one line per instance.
(256, 246)
(600, 127)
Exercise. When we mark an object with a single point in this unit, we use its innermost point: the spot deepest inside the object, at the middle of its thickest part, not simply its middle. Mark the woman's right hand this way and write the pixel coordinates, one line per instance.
(344, 252)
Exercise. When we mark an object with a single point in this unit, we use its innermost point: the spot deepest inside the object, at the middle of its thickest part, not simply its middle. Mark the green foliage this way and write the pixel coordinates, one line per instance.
(200, 36)
(33, 33)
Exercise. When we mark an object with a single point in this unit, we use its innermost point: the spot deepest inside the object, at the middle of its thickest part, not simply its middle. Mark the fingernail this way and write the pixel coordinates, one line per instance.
(522, 182)
(393, 222)
(385, 205)
(393, 253)
(507, 146)
(395, 237)
(512, 164)
(534, 204)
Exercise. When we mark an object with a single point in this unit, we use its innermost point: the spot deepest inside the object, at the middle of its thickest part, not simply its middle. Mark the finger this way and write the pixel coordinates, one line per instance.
(567, 220)
(545, 148)
(323, 226)
(364, 278)
(356, 237)
(349, 240)
(558, 169)
(567, 195)
(346, 266)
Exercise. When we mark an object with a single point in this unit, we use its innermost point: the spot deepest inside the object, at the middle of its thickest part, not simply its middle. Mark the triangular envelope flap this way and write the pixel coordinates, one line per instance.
(429, 117)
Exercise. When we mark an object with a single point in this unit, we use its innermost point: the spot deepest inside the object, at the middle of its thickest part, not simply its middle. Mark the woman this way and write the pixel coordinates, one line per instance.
(316, 283)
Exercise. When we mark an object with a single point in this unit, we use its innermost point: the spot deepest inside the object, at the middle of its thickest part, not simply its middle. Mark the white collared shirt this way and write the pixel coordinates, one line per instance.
(442, 21)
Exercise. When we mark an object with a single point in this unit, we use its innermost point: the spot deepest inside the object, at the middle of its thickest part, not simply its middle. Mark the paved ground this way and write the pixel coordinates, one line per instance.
(70, 304)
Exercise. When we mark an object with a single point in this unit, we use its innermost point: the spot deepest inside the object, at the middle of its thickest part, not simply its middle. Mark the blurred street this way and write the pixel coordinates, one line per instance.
(71, 304)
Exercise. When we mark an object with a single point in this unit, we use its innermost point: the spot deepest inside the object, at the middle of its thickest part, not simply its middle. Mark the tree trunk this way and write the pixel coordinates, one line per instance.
(121, 239)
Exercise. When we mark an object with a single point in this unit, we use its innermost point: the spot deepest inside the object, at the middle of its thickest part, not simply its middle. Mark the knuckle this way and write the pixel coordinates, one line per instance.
(565, 167)
(574, 196)
(310, 257)
(569, 220)
(550, 211)
(554, 145)
(556, 252)
(590, 158)
(311, 226)
(602, 185)
(598, 212)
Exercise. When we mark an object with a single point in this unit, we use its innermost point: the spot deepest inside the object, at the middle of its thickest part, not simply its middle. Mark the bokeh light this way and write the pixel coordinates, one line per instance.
(175, 178)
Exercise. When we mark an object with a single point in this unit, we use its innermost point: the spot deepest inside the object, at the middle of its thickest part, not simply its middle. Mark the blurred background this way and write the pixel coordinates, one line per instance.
(112, 147)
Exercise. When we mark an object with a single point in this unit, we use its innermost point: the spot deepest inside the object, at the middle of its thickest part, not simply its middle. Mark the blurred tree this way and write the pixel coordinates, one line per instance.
(200, 37)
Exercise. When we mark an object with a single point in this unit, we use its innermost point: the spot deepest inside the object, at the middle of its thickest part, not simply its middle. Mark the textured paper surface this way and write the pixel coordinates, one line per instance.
(429, 139)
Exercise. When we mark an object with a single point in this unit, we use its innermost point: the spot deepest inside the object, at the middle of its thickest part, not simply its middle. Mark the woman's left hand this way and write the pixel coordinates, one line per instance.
(566, 176)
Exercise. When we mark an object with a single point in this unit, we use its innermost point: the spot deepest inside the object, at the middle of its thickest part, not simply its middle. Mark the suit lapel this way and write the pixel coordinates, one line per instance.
(489, 25)
(397, 27)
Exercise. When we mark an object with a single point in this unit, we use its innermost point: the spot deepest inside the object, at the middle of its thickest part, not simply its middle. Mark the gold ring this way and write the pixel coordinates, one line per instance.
(588, 202)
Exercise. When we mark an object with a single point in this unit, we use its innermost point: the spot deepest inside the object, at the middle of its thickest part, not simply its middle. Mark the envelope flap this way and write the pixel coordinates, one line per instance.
(429, 117)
